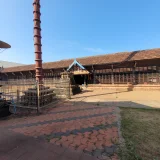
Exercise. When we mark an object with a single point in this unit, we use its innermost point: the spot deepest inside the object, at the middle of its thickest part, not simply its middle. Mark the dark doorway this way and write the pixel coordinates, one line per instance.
(79, 79)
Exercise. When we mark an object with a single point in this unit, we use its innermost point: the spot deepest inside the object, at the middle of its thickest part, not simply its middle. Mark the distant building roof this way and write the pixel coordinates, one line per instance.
(6, 64)
(95, 60)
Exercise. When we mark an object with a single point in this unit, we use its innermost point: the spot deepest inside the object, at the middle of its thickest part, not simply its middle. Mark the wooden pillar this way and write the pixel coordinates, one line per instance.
(157, 78)
(119, 76)
(133, 72)
(147, 75)
(139, 77)
(18, 96)
(94, 77)
(112, 76)
(6, 76)
(102, 78)
(143, 76)
(123, 77)
(127, 77)
(158, 73)
(30, 75)
(84, 80)
(152, 74)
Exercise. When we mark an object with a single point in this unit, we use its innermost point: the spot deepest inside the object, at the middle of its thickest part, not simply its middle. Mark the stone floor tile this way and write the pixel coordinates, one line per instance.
(77, 142)
(107, 143)
(104, 157)
(97, 152)
(84, 141)
(100, 136)
(54, 140)
(98, 146)
(71, 147)
(64, 158)
(39, 156)
(93, 140)
(87, 157)
(82, 135)
(90, 147)
(72, 154)
(4, 158)
(109, 150)
(58, 143)
(64, 138)
(66, 144)
(101, 131)
(70, 139)
(95, 133)
(81, 147)
(16, 153)
(56, 149)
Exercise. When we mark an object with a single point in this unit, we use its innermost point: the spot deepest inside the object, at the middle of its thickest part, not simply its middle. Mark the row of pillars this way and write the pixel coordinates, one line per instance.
(112, 75)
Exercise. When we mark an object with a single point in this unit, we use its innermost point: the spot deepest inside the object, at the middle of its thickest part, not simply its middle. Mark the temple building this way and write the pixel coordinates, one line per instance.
(137, 67)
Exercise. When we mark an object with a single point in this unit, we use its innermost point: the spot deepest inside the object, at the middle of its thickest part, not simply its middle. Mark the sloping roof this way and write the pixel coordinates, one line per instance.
(95, 60)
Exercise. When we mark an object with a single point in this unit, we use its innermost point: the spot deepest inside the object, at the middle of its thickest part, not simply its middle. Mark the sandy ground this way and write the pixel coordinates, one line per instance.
(120, 98)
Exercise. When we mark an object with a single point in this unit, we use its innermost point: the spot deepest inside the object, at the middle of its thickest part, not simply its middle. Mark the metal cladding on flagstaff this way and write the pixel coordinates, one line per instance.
(37, 40)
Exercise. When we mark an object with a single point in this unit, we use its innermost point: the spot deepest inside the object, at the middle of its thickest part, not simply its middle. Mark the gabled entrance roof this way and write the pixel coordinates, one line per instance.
(74, 63)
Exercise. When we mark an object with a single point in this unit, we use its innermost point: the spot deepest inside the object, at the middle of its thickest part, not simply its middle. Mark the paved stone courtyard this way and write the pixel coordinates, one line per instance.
(81, 127)
(84, 128)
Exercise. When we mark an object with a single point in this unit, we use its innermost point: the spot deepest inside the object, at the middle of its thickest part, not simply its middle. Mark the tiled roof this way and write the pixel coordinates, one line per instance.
(94, 60)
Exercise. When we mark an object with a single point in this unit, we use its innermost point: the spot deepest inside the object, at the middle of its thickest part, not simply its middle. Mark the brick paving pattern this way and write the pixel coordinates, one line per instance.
(87, 128)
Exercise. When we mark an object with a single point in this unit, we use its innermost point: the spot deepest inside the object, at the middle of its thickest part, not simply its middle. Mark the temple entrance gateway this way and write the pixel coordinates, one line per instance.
(81, 79)
(80, 74)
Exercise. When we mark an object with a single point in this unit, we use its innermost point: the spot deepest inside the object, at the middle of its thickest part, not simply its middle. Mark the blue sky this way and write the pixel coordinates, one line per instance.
(77, 28)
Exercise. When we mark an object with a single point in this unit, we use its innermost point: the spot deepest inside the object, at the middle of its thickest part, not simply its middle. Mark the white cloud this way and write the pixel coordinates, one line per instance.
(96, 50)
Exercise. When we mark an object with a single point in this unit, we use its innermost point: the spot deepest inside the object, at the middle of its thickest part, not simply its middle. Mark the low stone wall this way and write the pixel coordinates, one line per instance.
(147, 87)
(119, 87)
(125, 87)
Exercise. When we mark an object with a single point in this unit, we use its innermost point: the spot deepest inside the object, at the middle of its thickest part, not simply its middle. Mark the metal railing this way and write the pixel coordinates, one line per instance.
(16, 91)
